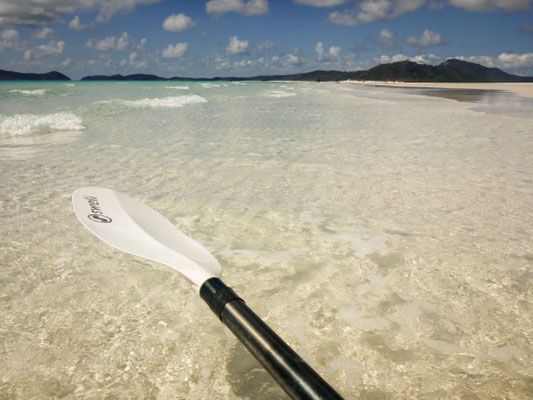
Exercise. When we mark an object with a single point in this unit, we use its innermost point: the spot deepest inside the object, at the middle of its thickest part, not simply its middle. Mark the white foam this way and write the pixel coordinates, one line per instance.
(177, 87)
(280, 93)
(36, 92)
(23, 124)
(165, 102)
(210, 85)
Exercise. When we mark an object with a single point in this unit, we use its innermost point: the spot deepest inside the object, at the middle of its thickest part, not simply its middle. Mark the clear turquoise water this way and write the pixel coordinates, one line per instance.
(386, 236)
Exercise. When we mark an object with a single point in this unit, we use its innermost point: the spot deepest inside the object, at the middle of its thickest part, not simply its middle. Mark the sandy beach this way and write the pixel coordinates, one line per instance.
(522, 89)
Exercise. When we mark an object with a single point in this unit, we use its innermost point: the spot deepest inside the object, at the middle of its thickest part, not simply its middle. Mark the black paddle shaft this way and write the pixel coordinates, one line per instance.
(291, 372)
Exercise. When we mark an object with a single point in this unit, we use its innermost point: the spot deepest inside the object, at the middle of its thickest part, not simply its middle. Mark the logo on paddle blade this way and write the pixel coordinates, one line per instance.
(97, 214)
(99, 218)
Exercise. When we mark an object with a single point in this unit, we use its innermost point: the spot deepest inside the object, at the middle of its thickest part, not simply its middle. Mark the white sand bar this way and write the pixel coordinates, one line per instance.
(523, 89)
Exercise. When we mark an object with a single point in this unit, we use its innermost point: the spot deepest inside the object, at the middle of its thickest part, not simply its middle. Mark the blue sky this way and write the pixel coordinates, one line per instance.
(250, 37)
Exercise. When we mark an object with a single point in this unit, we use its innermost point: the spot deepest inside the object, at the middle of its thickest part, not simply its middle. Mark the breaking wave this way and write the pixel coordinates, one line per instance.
(280, 93)
(37, 92)
(164, 102)
(177, 87)
(210, 85)
(24, 124)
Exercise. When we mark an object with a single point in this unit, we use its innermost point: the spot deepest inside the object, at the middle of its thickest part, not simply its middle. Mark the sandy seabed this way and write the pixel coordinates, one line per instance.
(386, 236)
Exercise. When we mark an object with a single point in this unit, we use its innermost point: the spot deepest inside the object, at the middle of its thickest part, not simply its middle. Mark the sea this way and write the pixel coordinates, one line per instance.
(385, 234)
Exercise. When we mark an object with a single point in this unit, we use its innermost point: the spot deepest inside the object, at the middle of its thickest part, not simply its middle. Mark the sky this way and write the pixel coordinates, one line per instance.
(251, 37)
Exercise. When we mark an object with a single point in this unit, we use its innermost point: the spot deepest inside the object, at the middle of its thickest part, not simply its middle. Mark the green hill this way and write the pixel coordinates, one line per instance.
(452, 70)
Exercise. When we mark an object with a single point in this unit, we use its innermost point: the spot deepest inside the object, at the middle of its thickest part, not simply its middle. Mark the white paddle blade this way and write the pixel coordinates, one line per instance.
(135, 228)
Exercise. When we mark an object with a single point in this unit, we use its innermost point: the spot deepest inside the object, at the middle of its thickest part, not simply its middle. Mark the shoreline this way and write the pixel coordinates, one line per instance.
(521, 89)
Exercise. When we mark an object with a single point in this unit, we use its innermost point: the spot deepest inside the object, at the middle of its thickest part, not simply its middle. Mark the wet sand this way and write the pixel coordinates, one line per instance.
(522, 89)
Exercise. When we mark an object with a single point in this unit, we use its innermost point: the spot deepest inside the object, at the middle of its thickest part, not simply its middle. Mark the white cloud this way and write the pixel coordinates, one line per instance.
(176, 51)
(483, 60)
(346, 17)
(109, 8)
(399, 57)
(374, 10)
(76, 24)
(243, 63)
(237, 46)
(265, 46)
(404, 6)
(221, 63)
(43, 50)
(387, 39)
(66, 62)
(178, 23)
(142, 44)
(10, 34)
(43, 33)
(123, 43)
(515, 61)
(493, 5)
(508, 61)
(132, 61)
(109, 43)
(251, 8)
(435, 5)
(10, 40)
(322, 3)
(136, 63)
(287, 61)
(427, 39)
(256, 7)
(428, 58)
(334, 51)
(39, 12)
(292, 59)
(332, 54)
(384, 59)
(319, 48)
(330, 57)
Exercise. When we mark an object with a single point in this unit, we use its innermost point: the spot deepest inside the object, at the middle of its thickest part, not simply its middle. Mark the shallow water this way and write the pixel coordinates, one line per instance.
(489, 101)
(386, 236)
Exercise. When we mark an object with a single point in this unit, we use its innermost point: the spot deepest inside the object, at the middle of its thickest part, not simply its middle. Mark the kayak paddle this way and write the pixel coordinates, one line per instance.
(135, 228)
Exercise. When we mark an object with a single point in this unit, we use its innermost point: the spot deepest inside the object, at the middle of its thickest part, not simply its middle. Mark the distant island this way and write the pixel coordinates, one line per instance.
(20, 76)
(452, 70)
